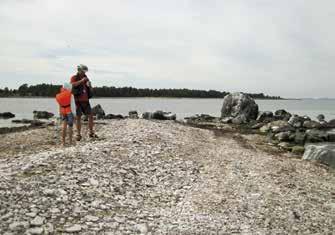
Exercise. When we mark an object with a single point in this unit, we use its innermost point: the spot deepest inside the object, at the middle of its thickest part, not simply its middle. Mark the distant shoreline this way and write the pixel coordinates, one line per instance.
(148, 97)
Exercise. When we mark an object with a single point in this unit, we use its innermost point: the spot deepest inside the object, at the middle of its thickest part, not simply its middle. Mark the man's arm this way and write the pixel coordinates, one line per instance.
(77, 83)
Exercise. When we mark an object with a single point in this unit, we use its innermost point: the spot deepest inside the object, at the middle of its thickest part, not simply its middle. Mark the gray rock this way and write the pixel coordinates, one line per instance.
(282, 114)
(314, 136)
(37, 221)
(283, 136)
(241, 119)
(298, 150)
(113, 116)
(98, 112)
(239, 105)
(142, 228)
(7, 115)
(321, 118)
(311, 124)
(133, 114)
(331, 124)
(277, 127)
(227, 120)
(299, 137)
(322, 152)
(42, 114)
(37, 230)
(159, 115)
(74, 229)
(331, 135)
(296, 121)
(266, 116)
(18, 226)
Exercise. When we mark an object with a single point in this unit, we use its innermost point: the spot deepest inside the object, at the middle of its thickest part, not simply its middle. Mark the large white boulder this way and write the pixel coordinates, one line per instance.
(321, 152)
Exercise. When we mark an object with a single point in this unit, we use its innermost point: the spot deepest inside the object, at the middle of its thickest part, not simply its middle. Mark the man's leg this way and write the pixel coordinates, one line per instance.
(78, 124)
(90, 123)
(64, 132)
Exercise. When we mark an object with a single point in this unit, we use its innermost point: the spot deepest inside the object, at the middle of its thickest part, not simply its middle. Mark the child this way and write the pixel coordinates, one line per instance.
(66, 104)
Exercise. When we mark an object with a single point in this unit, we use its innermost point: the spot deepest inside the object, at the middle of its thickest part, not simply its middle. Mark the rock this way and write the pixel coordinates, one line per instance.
(321, 118)
(311, 124)
(42, 114)
(18, 226)
(277, 127)
(7, 115)
(299, 137)
(142, 228)
(241, 119)
(37, 221)
(282, 114)
(323, 153)
(91, 218)
(94, 182)
(314, 136)
(133, 114)
(330, 124)
(266, 116)
(37, 230)
(331, 135)
(240, 106)
(285, 145)
(74, 229)
(159, 115)
(298, 150)
(257, 126)
(283, 136)
(296, 121)
(112, 116)
(49, 192)
(226, 120)
(98, 112)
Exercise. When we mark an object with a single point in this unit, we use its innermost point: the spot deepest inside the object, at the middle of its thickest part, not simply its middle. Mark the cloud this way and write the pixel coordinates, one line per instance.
(279, 47)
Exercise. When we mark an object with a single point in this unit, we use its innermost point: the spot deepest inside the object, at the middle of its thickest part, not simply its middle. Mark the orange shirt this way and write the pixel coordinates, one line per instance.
(84, 96)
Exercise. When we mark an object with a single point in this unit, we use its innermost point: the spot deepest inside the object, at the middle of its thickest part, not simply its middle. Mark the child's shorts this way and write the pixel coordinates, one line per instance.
(69, 118)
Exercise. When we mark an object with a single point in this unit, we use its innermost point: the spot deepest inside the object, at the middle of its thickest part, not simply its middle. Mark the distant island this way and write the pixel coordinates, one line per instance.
(50, 90)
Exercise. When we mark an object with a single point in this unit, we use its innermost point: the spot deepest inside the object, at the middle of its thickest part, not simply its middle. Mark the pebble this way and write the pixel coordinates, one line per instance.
(37, 230)
(37, 221)
(73, 229)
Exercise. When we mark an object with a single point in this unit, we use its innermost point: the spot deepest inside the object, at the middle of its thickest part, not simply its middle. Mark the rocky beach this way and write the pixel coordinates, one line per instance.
(159, 177)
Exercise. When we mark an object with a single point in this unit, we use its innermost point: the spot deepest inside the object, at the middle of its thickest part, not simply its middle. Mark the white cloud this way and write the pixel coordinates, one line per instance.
(279, 47)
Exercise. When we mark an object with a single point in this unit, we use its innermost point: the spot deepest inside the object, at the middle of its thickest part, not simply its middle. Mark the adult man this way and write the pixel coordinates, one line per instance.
(82, 90)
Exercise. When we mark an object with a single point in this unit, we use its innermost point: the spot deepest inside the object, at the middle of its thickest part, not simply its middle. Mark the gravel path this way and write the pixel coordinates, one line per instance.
(159, 178)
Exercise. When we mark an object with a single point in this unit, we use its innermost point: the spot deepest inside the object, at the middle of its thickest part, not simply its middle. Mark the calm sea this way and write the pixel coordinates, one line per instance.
(23, 107)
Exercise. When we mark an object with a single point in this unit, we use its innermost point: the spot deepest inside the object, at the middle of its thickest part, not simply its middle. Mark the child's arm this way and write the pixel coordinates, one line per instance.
(73, 106)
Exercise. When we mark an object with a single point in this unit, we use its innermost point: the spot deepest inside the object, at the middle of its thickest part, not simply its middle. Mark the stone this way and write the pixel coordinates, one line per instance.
(112, 116)
(285, 145)
(98, 112)
(226, 120)
(142, 228)
(298, 150)
(17, 226)
(314, 136)
(36, 230)
(311, 124)
(278, 126)
(266, 116)
(37, 221)
(93, 182)
(49, 192)
(241, 119)
(7, 115)
(321, 152)
(282, 114)
(133, 114)
(296, 121)
(91, 218)
(321, 118)
(299, 137)
(283, 136)
(42, 114)
(239, 105)
(74, 229)
(331, 135)
(331, 124)
(159, 115)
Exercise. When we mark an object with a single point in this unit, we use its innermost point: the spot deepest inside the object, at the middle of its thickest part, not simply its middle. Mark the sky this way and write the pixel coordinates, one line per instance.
(284, 48)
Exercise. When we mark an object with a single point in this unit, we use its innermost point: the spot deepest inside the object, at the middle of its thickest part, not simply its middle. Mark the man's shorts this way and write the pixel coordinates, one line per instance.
(83, 108)
(68, 118)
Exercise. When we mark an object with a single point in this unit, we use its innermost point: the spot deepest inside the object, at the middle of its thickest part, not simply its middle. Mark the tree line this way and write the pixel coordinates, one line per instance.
(49, 90)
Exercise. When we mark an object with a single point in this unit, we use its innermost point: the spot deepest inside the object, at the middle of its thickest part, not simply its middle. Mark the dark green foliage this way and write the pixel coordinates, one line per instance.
(49, 90)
